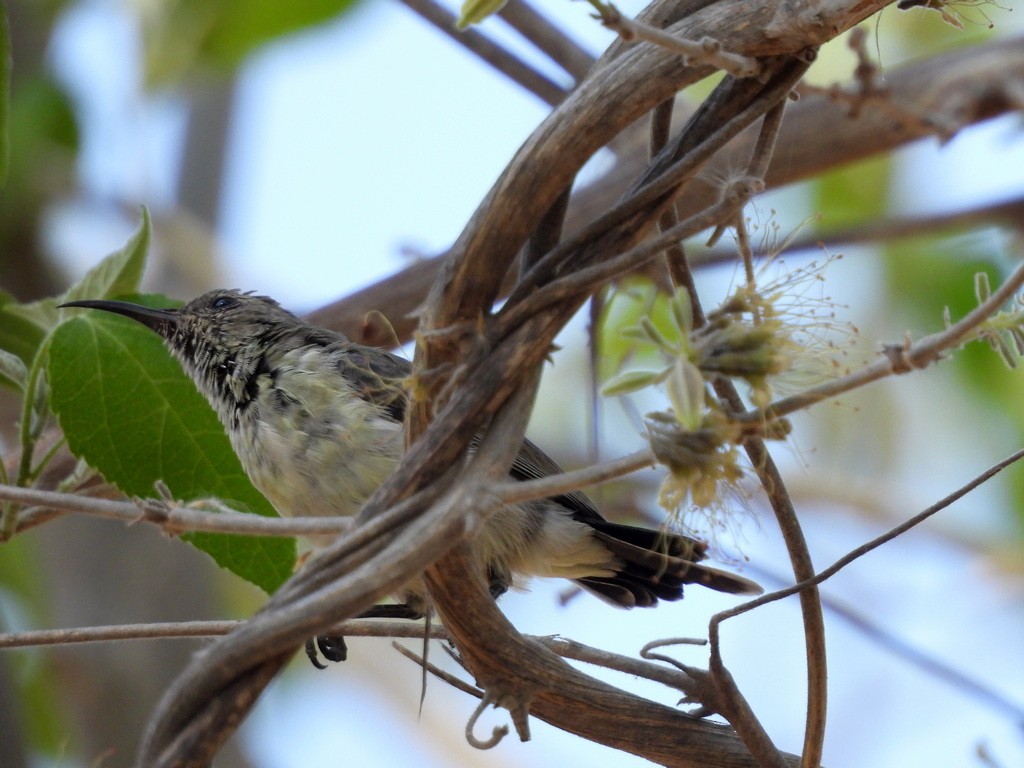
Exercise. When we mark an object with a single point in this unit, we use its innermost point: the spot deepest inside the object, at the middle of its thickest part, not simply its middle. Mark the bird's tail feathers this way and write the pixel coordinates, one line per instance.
(655, 567)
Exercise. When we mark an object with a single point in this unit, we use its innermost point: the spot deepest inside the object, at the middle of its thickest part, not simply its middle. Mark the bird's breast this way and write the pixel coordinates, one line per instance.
(312, 446)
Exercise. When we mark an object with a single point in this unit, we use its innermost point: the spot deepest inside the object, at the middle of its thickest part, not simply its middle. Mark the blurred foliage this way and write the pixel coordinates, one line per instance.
(184, 38)
(926, 276)
(633, 299)
(5, 93)
(856, 193)
(40, 129)
(23, 606)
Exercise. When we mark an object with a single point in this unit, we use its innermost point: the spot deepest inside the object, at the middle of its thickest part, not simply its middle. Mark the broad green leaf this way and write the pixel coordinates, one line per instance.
(127, 408)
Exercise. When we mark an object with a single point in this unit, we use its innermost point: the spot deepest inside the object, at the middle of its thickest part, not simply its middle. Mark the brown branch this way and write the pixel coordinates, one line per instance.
(491, 52)
(730, 700)
(481, 374)
(561, 48)
(864, 549)
(200, 629)
(172, 519)
(974, 83)
(484, 638)
(896, 359)
(792, 534)
(1007, 213)
(707, 50)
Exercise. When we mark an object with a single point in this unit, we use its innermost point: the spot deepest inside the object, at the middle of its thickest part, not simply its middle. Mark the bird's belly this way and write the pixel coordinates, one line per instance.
(329, 468)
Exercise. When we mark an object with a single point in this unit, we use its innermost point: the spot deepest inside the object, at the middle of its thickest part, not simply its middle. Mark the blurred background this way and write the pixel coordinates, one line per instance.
(310, 151)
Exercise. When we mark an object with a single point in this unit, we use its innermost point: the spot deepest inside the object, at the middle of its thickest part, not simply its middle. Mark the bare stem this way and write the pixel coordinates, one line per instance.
(567, 482)
(491, 52)
(170, 518)
(896, 358)
(200, 629)
(706, 51)
(864, 549)
(559, 46)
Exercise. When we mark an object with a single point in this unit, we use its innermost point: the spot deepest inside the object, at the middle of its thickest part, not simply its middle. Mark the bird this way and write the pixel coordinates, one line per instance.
(316, 421)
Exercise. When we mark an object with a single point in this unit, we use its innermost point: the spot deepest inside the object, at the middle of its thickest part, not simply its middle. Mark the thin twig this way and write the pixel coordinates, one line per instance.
(740, 714)
(908, 652)
(561, 48)
(200, 629)
(491, 52)
(1007, 213)
(969, 77)
(437, 672)
(170, 518)
(896, 358)
(586, 278)
(679, 269)
(658, 184)
(864, 549)
(567, 482)
(706, 51)
(869, 93)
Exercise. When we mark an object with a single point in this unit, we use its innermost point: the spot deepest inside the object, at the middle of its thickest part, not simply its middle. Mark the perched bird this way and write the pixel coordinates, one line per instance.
(316, 421)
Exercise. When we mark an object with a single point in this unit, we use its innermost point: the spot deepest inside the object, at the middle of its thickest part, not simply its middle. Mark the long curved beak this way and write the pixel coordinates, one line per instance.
(163, 321)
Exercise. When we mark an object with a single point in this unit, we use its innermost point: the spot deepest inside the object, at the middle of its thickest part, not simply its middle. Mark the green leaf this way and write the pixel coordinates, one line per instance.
(220, 34)
(475, 11)
(19, 335)
(853, 193)
(633, 381)
(127, 408)
(120, 272)
(637, 298)
(24, 326)
(13, 371)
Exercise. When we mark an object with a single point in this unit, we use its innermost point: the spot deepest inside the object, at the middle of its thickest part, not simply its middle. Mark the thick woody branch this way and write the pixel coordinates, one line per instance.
(502, 668)
(972, 84)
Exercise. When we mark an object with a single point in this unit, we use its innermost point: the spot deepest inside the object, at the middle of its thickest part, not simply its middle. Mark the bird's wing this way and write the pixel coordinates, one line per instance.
(532, 464)
(378, 376)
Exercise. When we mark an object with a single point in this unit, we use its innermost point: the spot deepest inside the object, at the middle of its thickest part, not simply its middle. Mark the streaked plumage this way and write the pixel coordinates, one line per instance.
(316, 421)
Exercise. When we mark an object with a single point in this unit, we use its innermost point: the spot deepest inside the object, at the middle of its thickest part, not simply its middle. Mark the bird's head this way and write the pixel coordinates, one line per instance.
(220, 338)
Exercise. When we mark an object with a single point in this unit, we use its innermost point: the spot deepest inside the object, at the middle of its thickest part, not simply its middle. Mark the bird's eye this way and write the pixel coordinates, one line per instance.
(222, 302)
